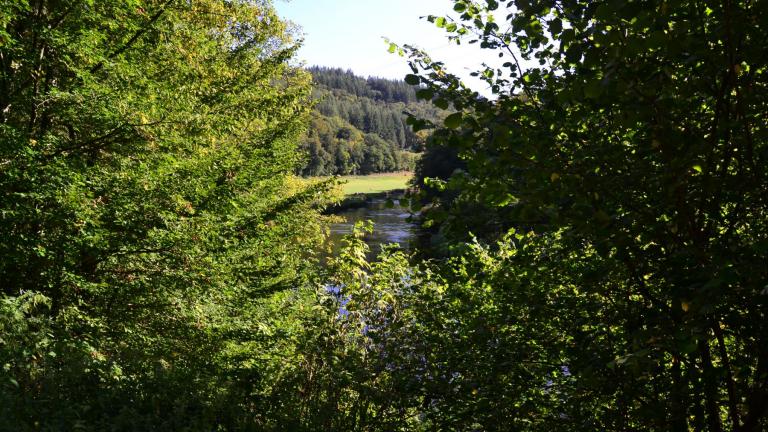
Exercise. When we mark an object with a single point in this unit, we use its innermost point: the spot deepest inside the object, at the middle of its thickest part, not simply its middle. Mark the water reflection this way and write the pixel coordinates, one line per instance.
(391, 225)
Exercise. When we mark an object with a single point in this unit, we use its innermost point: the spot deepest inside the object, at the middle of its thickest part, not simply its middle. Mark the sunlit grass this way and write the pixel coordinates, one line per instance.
(375, 183)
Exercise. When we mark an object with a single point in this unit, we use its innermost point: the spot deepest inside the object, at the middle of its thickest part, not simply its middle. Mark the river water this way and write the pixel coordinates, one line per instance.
(391, 225)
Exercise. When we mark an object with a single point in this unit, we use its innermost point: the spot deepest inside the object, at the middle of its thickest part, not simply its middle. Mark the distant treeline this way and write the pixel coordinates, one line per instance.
(378, 89)
(358, 126)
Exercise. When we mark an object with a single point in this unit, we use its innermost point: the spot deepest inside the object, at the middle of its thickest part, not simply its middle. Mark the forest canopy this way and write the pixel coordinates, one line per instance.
(359, 125)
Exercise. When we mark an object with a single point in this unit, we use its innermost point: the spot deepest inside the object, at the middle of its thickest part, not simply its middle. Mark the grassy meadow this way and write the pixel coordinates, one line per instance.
(375, 183)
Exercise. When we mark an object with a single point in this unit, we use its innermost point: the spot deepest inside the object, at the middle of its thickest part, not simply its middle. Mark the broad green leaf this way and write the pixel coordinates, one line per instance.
(412, 79)
(453, 121)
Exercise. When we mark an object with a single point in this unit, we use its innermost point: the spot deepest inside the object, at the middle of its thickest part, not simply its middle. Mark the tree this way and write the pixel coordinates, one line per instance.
(629, 163)
(146, 206)
(372, 107)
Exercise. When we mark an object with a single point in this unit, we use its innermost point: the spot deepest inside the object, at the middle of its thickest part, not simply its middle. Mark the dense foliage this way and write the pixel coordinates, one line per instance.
(618, 180)
(372, 88)
(147, 208)
(359, 125)
(601, 221)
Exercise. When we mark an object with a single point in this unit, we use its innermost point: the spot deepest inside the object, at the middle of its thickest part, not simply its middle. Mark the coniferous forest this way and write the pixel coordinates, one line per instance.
(596, 254)
(359, 125)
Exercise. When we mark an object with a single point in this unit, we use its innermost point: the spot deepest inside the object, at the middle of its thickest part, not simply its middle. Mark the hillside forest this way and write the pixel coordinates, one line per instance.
(359, 125)
(595, 233)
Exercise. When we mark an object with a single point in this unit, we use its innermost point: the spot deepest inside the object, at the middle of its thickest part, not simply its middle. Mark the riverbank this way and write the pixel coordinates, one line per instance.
(392, 223)
(361, 200)
(371, 198)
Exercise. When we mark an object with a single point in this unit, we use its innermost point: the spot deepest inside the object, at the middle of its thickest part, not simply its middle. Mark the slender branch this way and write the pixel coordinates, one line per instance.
(710, 389)
(733, 410)
(758, 398)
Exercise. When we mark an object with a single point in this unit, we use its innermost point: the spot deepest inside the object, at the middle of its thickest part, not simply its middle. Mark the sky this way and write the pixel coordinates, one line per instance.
(350, 34)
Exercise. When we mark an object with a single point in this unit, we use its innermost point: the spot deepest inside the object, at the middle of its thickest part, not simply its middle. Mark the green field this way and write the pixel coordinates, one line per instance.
(375, 183)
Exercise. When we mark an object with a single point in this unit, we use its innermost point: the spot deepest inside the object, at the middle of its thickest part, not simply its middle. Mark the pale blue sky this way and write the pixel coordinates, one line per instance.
(349, 34)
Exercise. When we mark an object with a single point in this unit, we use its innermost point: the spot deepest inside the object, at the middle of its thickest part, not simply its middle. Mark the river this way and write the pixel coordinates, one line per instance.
(391, 225)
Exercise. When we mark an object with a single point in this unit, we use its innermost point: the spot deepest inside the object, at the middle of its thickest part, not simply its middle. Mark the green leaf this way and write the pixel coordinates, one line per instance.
(440, 103)
(453, 121)
(412, 79)
(556, 26)
(425, 94)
